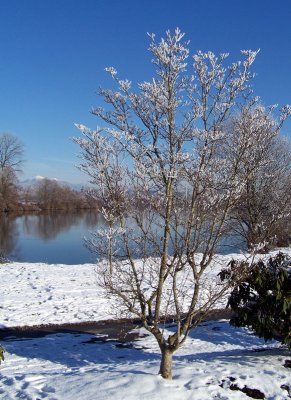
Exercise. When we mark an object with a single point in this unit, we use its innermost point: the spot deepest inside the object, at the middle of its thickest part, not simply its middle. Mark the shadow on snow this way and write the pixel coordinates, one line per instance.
(211, 340)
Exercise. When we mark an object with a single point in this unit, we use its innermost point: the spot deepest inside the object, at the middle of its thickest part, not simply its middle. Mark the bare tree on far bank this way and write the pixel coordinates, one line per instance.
(11, 158)
(166, 164)
(50, 195)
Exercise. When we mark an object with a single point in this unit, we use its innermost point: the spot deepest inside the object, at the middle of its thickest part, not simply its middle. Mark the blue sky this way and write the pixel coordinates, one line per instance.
(53, 55)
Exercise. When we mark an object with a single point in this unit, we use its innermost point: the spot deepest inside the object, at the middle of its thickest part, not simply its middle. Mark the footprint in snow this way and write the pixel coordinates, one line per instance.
(8, 381)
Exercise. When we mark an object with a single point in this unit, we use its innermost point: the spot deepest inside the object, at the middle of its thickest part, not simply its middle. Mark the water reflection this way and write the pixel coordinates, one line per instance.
(58, 237)
(8, 235)
(47, 237)
(49, 226)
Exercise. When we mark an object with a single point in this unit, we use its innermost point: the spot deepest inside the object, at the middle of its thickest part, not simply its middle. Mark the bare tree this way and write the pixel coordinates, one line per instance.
(168, 174)
(11, 152)
(53, 195)
(8, 188)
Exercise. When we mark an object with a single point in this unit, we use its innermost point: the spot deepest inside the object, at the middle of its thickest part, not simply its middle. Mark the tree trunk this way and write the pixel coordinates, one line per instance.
(166, 364)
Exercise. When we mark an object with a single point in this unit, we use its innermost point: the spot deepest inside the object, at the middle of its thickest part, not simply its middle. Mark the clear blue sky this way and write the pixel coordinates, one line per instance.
(53, 55)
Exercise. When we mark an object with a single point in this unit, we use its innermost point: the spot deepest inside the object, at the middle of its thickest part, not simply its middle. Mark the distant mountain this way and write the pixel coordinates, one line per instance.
(34, 181)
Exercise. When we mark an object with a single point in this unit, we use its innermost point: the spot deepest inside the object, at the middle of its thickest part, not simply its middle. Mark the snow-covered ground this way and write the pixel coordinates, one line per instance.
(216, 356)
(36, 293)
(215, 360)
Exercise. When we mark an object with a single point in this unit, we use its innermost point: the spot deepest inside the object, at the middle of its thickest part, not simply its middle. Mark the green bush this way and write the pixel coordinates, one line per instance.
(262, 301)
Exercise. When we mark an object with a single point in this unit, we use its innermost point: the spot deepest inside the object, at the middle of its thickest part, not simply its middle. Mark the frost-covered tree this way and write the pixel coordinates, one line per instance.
(264, 208)
(168, 174)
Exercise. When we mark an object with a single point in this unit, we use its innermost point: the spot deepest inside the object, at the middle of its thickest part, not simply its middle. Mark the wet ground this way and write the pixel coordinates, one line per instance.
(121, 330)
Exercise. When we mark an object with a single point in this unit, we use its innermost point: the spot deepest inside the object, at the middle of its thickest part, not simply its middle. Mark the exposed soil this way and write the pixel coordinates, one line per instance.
(253, 393)
(288, 390)
(111, 329)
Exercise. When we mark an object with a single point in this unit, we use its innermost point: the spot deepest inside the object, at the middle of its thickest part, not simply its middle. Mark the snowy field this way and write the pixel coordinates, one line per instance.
(40, 294)
(36, 294)
(215, 362)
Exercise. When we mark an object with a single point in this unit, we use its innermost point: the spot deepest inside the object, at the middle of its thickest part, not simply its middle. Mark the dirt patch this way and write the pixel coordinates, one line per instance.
(110, 329)
(114, 329)
(253, 393)
(288, 390)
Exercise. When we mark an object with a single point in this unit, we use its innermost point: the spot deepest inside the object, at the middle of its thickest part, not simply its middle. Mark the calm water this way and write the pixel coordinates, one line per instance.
(57, 237)
(50, 238)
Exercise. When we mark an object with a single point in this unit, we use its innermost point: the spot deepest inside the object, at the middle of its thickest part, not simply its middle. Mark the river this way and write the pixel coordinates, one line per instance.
(48, 237)
(56, 238)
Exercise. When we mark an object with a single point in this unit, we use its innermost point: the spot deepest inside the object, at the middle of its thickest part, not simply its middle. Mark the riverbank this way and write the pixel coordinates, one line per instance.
(45, 294)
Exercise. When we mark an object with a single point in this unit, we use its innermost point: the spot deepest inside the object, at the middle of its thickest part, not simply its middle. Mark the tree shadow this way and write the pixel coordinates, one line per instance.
(75, 349)
(220, 332)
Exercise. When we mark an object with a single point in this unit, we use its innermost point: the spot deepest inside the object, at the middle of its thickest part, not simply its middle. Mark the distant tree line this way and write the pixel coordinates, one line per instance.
(47, 194)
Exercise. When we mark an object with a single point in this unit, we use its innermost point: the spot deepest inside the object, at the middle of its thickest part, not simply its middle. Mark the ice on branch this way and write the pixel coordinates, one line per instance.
(251, 56)
(112, 71)
(285, 112)
(82, 127)
(110, 232)
(124, 85)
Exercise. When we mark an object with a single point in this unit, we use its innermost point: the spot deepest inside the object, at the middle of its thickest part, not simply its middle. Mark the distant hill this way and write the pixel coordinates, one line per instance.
(34, 181)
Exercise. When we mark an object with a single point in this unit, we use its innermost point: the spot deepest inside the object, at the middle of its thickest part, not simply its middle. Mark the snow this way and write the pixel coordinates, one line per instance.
(41, 178)
(65, 366)
(36, 294)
